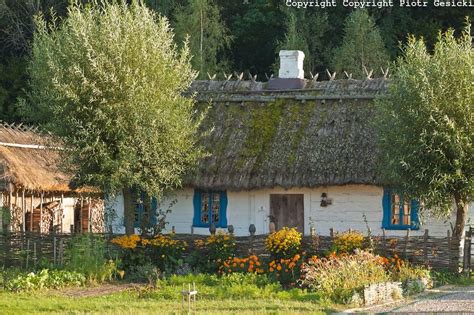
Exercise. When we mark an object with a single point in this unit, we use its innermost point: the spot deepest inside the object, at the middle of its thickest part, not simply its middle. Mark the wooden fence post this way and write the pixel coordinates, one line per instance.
(34, 253)
(384, 243)
(449, 249)
(425, 247)
(61, 251)
(27, 252)
(54, 250)
(467, 252)
(407, 239)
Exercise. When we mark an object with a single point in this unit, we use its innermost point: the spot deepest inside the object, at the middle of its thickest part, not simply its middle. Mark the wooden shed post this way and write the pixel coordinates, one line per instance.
(23, 211)
(80, 215)
(41, 211)
(61, 212)
(89, 215)
(10, 208)
(32, 211)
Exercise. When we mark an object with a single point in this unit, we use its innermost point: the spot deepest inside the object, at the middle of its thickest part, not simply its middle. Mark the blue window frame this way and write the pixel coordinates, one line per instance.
(210, 206)
(399, 214)
(141, 214)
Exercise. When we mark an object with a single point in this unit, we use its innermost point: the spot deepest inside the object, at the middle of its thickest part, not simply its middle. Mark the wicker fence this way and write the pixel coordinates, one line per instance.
(24, 250)
(28, 249)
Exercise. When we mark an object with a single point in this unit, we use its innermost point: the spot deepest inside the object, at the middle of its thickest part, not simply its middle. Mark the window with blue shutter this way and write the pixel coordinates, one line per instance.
(210, 206)
(399, 214)
(141, 214)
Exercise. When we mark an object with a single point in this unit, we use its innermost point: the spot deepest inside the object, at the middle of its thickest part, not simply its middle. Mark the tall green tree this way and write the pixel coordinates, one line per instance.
(306, 31)
(16, 31)
(426, 125)
(208, 35)
(109, 82)
(362, 46)
(294, 39)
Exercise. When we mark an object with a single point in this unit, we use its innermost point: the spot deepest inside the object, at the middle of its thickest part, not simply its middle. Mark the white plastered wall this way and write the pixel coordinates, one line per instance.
(349, 205)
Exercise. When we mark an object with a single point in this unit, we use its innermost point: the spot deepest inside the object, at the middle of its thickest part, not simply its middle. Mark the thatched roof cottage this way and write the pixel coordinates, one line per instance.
(297, 152)
(35, 194)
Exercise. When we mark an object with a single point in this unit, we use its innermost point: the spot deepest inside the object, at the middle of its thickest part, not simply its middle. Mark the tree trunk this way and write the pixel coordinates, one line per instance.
(458, 233)
(129, 211)
(461, 215)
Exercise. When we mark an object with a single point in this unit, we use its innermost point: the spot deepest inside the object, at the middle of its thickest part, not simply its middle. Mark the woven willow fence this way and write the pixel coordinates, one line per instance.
(29, 249)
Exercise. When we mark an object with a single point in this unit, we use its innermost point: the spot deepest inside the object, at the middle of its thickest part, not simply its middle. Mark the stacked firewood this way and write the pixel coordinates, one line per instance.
(16, 218)
(97, 216)
(47, 216)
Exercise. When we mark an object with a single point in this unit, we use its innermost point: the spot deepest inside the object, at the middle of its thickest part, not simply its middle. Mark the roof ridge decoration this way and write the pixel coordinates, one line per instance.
(252, 90)
(20, 127)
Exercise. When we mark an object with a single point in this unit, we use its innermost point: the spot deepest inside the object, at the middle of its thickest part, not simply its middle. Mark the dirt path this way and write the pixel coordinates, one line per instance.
(444, 299)
(99, 290)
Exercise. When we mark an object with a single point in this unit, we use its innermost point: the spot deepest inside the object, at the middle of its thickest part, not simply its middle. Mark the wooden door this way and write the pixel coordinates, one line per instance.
(288, 210)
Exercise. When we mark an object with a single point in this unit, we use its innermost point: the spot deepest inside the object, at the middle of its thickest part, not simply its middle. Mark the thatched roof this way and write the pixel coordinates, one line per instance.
(319, 135)
(28, 163)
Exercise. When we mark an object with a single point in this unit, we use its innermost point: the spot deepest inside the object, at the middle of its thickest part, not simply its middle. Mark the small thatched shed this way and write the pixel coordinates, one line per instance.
(35, 192)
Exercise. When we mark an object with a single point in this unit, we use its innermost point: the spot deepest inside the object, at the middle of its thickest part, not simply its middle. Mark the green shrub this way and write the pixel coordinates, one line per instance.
(162, 251)
(408, 272)
(284, 244)
(338, 278)
(213, 251)
(85, 254)
(443, 277)
(347, 242)
(165, 252)
(147, 272)
(42, 279)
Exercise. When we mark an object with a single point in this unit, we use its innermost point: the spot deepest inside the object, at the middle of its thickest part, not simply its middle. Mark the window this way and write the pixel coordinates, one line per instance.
(142, 216)
(398, 213)
(210, 206)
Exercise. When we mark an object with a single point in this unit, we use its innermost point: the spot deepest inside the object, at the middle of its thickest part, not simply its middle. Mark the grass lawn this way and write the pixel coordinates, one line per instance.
(129, 302)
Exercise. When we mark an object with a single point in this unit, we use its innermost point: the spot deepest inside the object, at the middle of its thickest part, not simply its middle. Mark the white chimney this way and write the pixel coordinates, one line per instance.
(291, 64)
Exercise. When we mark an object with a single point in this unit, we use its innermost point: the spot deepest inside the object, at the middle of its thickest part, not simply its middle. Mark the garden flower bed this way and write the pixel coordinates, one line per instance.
(350, 273)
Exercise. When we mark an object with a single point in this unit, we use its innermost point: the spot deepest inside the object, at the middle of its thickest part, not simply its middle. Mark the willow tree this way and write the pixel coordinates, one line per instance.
(426, 125)
(109, 81)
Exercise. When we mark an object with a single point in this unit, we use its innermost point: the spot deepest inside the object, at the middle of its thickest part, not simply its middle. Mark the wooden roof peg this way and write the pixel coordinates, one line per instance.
(252, 78)
(332, 76)
(227, 77)
(314, 77)
(368, 73)
(211, 77)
